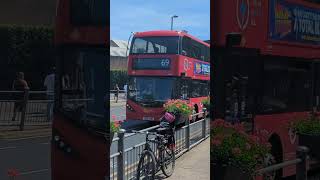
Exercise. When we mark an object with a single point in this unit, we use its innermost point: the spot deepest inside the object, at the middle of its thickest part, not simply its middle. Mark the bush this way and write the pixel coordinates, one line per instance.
(178, 107)
(25, 48)
(230, 145)
(118, 77)
(308, 126)
(206, 103)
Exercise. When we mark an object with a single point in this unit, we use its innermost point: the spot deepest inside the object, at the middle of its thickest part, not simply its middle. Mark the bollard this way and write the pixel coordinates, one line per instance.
(301, 168)
(121, 162)
(187, 136)
(24, 109)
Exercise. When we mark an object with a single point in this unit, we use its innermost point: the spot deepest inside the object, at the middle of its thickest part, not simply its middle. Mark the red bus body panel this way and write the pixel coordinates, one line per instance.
(91, 162)
(277, 124)
(251, 19)
(254, 26)
(66, 33)
(156, 113)
(91, 152)
(179, 64)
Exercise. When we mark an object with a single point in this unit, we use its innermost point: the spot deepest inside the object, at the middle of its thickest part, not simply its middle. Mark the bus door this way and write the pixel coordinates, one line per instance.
(236, 86)
(184, 92)
(96, 88)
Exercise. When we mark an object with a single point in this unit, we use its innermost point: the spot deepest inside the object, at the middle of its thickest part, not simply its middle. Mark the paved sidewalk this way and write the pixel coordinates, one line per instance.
(119, 103)
(194, 164)
(29, 132)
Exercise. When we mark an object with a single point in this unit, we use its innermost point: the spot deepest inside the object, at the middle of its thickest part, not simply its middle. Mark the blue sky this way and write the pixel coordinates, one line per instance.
(128, 16)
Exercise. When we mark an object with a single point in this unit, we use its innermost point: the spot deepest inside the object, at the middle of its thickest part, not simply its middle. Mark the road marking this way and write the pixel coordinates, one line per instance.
(9, 147)
(45, 143)
(32, 172)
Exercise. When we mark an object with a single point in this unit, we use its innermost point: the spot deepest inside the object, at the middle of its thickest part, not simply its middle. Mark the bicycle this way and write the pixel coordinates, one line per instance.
(149, 163)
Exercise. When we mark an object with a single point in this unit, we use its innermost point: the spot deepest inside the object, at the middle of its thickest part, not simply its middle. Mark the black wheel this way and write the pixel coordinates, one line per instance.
(169, 160)
(147, 166)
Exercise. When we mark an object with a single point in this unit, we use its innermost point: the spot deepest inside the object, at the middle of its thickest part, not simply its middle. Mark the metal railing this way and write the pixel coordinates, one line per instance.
(31, 108)
(124, 160)
(122, 95)
(300, 162)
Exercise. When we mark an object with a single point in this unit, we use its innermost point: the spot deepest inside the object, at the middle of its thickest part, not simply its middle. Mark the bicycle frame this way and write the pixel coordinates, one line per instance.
(160, 148)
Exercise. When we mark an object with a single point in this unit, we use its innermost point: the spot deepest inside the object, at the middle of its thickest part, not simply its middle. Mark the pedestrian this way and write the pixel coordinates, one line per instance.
(117, 92)
(19, 84)
(49, 84)
(125, 87)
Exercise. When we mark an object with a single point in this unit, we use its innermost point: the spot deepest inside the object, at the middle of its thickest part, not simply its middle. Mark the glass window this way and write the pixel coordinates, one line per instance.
(300, 79)
(275, 89)
(151, 91)
(155, 45)
(88, 12)
(194, 49)
(83, 85)
(314, 1)
(287, 87)
(199, 88)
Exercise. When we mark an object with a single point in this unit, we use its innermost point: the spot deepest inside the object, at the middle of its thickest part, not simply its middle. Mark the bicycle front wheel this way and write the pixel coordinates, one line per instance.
(169, 160)
(146, 166)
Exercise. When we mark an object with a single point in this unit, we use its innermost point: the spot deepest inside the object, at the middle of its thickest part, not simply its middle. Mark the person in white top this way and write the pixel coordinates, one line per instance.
(125, 90)
(49, 84)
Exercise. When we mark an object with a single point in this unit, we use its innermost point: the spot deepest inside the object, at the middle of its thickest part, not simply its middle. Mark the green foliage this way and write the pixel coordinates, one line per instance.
(309, 126)
(118, 77)
(26, 48)
(178, 107)
(206, 102)
(231, 145)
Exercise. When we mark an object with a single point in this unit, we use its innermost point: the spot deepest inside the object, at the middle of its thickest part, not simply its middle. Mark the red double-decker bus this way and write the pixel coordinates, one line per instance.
(79, 148)
(166, 65)
(266, 72)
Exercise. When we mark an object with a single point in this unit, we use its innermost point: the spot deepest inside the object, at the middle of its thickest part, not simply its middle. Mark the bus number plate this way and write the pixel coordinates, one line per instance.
(148, 118)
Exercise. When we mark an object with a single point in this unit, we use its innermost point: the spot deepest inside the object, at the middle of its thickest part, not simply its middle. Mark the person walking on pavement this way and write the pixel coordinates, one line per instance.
(117, 93)
(49, 84)
(125, 87)
(19, 84)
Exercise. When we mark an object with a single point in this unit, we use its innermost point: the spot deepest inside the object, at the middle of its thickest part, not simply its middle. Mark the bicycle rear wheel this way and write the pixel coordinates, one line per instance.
(147, 166)
(169, 161)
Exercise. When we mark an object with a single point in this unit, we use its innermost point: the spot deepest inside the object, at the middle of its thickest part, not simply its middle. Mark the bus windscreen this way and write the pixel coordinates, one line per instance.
(155, 45)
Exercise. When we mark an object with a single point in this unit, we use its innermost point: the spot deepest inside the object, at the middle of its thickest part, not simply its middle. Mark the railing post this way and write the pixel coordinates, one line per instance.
(24, 109)
(121, 162)
(301, 168)
(187, 136)
(204, 126)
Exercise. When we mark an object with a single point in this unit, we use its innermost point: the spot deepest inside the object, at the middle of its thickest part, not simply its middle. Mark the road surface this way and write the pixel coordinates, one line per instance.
(31, 157)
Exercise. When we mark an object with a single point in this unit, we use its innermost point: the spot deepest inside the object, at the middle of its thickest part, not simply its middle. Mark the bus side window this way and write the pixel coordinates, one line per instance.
(186, 42)
(184, 90)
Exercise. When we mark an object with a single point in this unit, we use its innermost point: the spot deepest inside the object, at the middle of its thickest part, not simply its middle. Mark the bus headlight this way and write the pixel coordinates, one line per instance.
(129, 107)
(61, 144)
(68, 150)
(56, 138)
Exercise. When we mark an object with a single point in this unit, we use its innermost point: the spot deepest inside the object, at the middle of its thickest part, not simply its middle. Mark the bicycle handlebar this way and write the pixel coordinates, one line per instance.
(147, 133)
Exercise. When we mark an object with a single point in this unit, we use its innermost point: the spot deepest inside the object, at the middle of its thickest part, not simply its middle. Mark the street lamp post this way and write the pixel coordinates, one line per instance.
(175, 16)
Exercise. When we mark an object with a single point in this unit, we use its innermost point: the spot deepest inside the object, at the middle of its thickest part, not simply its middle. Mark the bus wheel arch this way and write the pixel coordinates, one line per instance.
(277, 152)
